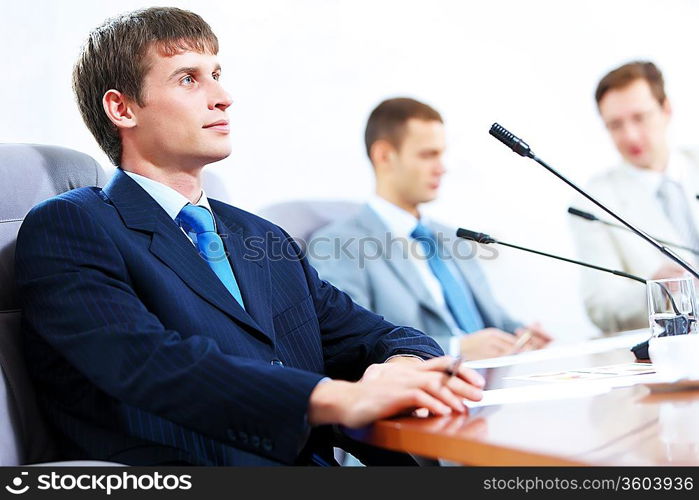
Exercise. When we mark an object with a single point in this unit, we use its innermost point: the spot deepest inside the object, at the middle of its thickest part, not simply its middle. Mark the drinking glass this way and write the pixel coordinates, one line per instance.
(674, 344)
(672, 306)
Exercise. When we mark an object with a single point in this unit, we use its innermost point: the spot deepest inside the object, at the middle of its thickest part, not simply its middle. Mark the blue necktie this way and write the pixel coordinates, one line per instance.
(457, 294)
(200, 221)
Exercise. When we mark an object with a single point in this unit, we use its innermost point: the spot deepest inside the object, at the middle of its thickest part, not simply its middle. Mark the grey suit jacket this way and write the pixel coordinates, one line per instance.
(612, 303)
(359, 256)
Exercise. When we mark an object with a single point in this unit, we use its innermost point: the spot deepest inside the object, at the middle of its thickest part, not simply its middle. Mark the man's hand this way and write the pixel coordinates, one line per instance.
(668, 270)
(393, 388)
(488, 343)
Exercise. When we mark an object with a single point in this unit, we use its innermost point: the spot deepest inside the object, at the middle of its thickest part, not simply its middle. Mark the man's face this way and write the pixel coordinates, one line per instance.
(637, 123)
(416, 167)
(183, 122)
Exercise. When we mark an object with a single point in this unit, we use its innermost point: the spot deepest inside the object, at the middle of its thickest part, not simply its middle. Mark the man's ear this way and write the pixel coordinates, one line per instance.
(667, 108)
(119, 109)
(382, 153)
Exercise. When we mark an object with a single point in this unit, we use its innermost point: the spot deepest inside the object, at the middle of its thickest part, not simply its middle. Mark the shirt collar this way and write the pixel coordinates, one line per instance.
(399, 222)
(170, 200)
(651, 179)
(677, 167)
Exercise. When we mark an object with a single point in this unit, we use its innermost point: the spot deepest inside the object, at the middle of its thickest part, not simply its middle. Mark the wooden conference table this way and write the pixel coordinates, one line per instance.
(625, 426)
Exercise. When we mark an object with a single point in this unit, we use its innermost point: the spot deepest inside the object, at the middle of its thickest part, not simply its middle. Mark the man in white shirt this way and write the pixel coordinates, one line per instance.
(405, 267)
(654, 189)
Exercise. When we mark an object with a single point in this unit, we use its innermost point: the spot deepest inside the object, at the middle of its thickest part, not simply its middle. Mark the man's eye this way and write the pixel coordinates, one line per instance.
(645, 117)
(187, 80)
(216, 76)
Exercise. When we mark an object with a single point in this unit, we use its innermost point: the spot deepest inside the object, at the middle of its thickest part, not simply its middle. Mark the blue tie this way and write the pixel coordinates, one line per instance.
(457, 294)
(200, 221)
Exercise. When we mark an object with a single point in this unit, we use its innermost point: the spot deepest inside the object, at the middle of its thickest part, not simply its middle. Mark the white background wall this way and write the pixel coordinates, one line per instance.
(304, 74)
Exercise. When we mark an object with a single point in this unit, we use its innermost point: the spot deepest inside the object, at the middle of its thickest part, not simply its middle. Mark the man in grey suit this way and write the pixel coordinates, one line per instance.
(411, 270)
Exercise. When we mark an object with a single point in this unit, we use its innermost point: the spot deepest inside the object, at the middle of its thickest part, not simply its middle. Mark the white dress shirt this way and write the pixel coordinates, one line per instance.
(677, 171)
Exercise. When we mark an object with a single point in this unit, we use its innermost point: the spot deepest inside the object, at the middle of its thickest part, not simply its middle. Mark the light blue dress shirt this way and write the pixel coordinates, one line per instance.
(170, 200)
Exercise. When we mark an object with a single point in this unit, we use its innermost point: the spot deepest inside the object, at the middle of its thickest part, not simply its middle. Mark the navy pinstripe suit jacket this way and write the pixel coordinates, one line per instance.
(139, 353)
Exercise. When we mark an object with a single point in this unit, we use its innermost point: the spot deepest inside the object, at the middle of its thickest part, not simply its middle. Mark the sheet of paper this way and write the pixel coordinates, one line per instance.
(589, 373)
(559, 350)
(530, 393)
(559, 390)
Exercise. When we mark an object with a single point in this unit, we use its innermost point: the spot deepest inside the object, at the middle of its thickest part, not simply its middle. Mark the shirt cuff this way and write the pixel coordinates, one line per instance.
(455, 345)
(306, 424)
(403, 356)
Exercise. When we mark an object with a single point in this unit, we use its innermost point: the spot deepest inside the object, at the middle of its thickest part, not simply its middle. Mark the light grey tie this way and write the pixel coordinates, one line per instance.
(676, 208)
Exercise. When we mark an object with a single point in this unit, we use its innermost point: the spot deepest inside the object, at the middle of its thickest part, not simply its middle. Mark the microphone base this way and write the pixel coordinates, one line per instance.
(641, 351)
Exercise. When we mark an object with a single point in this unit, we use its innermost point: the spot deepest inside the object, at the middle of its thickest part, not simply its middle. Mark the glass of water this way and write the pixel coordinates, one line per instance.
(672, 306)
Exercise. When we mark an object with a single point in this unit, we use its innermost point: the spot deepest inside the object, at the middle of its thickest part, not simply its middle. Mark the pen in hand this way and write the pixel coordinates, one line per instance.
(453, 369)
(522, 341)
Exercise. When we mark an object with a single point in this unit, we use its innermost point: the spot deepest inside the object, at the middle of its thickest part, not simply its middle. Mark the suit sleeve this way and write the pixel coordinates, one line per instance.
(354, 337)
(76, 294)
(612, 303)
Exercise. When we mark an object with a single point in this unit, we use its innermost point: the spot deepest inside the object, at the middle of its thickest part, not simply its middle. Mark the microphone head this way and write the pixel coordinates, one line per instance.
(580, 213)
(510, 140)
(474, 236)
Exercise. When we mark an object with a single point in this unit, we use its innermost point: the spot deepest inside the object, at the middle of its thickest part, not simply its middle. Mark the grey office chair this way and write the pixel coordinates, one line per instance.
(302, 218)
(29, 174)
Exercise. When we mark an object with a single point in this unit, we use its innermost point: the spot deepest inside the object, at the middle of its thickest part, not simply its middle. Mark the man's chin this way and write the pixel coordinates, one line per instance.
(217, 156)
(638, 162)
(431, 196)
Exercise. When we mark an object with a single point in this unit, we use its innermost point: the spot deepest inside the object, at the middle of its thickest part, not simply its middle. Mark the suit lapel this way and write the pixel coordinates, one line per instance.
(396, 259)
(251, 272)
(170, 245)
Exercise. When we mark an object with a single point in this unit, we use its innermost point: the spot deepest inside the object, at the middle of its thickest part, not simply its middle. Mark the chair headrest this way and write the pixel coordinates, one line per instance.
(32, 173)
(302, 218)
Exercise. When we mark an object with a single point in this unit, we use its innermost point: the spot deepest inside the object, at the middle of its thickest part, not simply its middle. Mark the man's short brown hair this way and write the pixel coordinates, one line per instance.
(388, 120)
(115, 57)
(625, 75)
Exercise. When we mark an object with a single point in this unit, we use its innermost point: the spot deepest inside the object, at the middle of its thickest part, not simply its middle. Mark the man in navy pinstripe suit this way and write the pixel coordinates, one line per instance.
(144, 347)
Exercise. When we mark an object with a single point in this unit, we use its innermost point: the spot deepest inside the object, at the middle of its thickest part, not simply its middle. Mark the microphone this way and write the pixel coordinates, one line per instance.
(585, 215)
(474, 236)
(593, 218)
(487, 239)
(679, 323)
(522, 148)
(511, 141)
